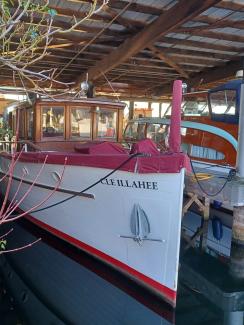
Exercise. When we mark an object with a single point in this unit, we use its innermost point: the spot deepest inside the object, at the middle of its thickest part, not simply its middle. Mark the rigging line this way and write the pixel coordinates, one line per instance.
(94, 38)
(110, 85)
(229, 178)
(90, 186)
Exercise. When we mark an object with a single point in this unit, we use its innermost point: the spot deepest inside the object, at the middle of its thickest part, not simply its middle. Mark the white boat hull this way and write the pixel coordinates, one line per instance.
(101, 223)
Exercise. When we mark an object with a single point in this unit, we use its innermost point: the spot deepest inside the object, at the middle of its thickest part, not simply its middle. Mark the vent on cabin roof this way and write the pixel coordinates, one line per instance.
(87, 89)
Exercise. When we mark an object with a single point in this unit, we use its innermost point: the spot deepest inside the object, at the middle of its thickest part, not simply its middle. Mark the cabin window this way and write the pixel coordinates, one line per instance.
(195, 107)
(135, 131)
(80, 122)
(131, 131)
(223, 102)
(141, 131)
(29, 121)
(205, 153)
(53, 122)
(106, 123)
(158, 132)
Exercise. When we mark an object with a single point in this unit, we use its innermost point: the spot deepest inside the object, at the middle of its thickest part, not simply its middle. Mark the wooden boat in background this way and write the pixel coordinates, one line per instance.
(207, 117)
(223, 107)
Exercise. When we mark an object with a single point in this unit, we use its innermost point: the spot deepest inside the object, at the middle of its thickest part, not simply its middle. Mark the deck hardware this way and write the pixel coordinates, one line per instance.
(56, 176)
(140, 226)
(25, 171)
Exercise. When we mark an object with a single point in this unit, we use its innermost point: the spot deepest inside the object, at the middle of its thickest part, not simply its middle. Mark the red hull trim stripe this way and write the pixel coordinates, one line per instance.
(167, 293)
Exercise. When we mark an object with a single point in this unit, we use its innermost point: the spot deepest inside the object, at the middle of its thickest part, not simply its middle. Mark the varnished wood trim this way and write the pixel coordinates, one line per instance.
(62, 190)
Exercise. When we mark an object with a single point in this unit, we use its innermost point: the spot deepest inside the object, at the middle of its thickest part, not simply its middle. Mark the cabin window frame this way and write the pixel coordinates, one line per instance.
(203, 111)
(27, 123)
(138, 125)
(97, 110)
(222, 117)
(82, 107)
(161, 136)
(58, 137)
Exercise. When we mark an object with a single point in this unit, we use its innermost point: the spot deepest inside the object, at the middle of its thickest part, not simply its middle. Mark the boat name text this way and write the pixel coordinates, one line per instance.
(132, 184)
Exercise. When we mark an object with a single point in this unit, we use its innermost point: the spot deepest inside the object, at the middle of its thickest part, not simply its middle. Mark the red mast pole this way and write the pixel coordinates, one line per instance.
(175, 134)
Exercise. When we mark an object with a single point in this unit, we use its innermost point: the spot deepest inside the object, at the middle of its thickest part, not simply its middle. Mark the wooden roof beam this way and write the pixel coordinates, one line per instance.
(207, 76)
(183, 11)
(158, 53)
(218, 73)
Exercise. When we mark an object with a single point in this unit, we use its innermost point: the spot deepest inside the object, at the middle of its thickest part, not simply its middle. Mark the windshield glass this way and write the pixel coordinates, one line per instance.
(106, 123)
(223, 102)
(157, 132)
(135, 131)
(194, 107)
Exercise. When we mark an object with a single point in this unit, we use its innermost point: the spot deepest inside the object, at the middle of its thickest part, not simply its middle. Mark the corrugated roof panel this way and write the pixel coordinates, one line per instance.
(229, 43)
(63, 19)
(75, 6)
(163, 44)
(202, 49)
(240, 32)
(51, 2)
(158, 3)
(194, 24)
(95, 24)
(115, 27)
(221, 13)
(209, 40)
(137, 16)
(235, 1)
(224, 42)
(103, 24)
(171, 4)
(229, 30)
(237, 44)
(177, 35)
(195, 38)
(236, 16)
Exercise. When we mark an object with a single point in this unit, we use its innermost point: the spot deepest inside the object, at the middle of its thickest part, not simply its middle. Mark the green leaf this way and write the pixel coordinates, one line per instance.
(52, 12)
(3, 244)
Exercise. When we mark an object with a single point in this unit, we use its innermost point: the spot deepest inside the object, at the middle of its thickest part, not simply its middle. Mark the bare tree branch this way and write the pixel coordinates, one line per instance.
(32, 25)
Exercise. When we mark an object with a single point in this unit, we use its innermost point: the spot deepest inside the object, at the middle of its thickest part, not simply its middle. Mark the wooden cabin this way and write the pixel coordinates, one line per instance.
(59, 125)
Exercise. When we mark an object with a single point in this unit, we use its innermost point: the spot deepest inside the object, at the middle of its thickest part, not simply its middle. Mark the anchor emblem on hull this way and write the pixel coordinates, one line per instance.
(139, 226)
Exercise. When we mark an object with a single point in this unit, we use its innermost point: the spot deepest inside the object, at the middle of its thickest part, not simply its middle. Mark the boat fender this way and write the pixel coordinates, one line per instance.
(217, 228)
(217, 204)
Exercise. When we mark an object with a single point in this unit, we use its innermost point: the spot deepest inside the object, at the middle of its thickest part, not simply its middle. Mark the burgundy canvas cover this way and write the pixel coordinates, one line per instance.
(146, 146)
(100, 148)
(159, 163)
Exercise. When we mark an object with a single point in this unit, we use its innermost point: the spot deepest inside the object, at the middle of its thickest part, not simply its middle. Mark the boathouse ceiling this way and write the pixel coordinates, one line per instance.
(137, 48)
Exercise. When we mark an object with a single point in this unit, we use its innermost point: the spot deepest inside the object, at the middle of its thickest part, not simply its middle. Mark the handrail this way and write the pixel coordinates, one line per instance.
(31, 144)
(23, 142)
